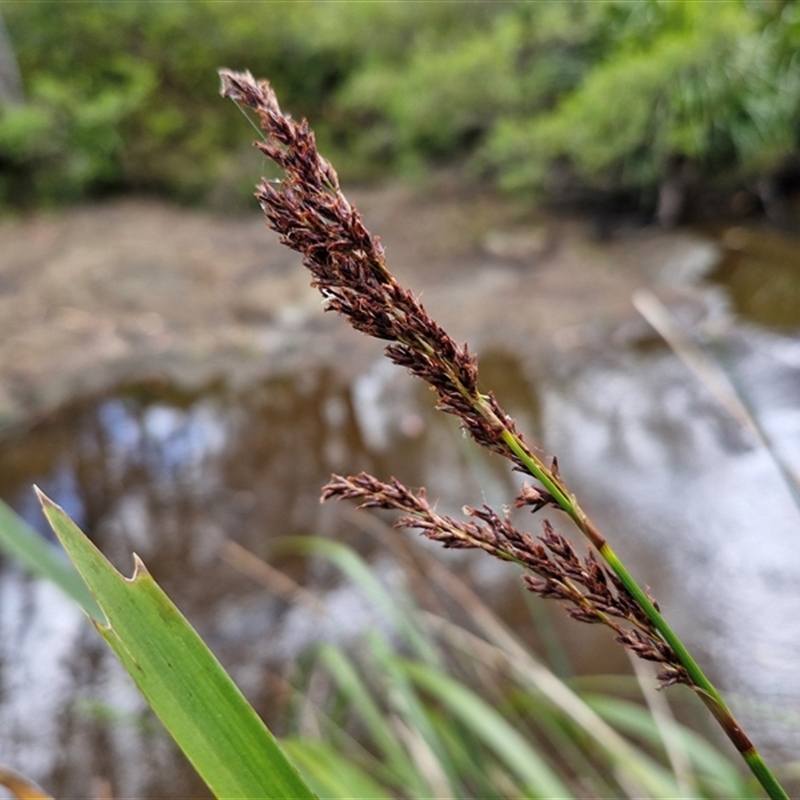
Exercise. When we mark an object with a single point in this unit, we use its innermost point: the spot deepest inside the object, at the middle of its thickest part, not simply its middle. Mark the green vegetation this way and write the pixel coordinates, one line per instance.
(22, 543)
(184, 684)
(546, 97)
(435, 706)
(429, 702)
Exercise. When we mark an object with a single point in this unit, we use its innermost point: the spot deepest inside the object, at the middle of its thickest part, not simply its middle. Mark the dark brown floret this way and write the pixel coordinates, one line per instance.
(553, 569)
(347, 264)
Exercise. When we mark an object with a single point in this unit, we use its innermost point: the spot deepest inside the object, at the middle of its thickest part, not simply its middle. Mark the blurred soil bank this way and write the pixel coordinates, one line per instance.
(135, 288)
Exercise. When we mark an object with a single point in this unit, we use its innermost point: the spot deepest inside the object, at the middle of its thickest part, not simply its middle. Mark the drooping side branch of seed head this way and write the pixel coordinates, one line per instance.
(588, 591)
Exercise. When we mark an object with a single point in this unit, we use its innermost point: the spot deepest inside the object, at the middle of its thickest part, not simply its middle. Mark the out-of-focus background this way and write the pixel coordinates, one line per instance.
(168, 376)
(612, 105)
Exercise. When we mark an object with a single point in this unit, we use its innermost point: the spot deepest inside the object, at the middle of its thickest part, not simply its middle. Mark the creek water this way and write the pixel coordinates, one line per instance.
(701, 509)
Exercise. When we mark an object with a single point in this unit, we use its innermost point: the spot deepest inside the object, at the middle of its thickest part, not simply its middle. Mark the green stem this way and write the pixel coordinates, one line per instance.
(700, 683)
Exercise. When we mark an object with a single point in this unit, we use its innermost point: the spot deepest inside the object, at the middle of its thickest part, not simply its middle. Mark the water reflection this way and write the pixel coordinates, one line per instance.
(700, 508)
(171, 475)
(761, 271)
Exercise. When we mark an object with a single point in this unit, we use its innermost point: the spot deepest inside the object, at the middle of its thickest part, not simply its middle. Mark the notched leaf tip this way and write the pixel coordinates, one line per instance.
(139, 570)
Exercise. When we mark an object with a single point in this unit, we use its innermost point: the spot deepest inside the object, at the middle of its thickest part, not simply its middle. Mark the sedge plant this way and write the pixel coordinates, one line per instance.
(441, 699)
(312, 216)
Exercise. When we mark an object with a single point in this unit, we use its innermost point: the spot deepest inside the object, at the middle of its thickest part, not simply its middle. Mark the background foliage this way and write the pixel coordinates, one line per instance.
(546, 97)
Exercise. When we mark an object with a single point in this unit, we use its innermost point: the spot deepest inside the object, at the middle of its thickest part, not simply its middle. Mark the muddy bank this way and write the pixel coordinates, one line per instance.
(136, 288)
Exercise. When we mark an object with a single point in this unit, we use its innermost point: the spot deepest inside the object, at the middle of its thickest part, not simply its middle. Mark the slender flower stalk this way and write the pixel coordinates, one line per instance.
(312, 216)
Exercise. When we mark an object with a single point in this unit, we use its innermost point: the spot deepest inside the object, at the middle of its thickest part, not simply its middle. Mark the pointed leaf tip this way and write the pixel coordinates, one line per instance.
(139, 570)
(43, 498)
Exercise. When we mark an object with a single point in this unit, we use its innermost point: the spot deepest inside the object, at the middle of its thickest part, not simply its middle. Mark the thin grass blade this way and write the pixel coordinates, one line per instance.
(375, 721)
(332, 775)
(353, 566)
(21, 788)
(637, 771)
(414, 724)
(541, 780)
(711, 766)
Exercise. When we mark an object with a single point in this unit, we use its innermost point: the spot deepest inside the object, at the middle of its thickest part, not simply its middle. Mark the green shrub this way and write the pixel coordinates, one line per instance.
(707, 83)
(119, 98)
(119, 95)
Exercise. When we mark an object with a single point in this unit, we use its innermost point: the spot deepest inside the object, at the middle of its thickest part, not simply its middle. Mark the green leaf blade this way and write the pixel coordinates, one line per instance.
(198, 703)
(518, 755)
(333, 776)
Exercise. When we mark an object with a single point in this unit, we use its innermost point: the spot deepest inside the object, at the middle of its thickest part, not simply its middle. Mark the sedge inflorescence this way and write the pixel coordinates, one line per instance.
(312, 216)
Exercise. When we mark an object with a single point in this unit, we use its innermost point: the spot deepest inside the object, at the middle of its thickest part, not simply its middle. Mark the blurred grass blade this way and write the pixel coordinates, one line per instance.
(331, 775)
(203, 710)
(664, 722)
(637, 771)
(413, 724)
(354, 567)
(716, 379)
(354, 689)
(20, 541)
(709, 763)
(21, 787)
(505, 741)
